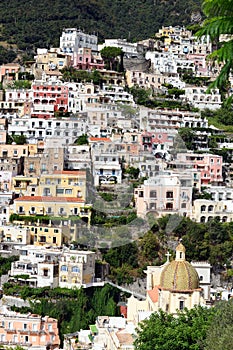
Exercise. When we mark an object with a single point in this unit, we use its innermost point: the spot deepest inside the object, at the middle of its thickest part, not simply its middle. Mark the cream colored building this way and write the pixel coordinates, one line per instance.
(170, 287)
(76, 268)
(205, 210)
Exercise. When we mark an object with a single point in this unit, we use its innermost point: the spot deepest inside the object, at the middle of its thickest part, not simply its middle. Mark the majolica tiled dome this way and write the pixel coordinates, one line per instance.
(179, 274)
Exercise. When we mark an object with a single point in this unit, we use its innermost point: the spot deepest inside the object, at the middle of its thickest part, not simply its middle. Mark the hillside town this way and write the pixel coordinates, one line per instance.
(74, 147)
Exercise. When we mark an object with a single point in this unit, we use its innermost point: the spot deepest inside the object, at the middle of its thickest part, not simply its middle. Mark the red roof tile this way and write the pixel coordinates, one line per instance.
(154, 294)
(105, 139)
(48, 199)
(69, 172)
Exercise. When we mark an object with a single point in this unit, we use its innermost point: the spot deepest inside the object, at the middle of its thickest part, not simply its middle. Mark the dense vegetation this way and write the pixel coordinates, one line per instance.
(33, 23)
(210, 241)
(5, 264)
(196, 329)
(73, 308)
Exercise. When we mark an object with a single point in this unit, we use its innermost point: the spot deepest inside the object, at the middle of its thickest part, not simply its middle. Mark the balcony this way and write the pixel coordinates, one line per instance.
(10, 330)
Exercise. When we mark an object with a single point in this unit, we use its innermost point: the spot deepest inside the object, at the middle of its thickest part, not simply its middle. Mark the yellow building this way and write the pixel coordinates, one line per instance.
(54, 207)
(22, 185)
(70, 184)
(52, 60)
(48, 235)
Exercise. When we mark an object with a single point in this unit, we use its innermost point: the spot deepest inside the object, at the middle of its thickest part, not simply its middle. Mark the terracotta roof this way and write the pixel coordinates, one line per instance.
(125, 338)
(105, 139)
(69, 172)
(48, 199)
(154, 294)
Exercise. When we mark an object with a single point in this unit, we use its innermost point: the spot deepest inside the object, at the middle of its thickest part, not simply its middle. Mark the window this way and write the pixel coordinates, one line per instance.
(169, 194)
(75, 269)
(181, 306)
(153, 194)
(64, 268)
(68, 191)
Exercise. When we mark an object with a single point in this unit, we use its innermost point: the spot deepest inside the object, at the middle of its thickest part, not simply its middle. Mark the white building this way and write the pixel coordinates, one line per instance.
(198, 97)
(106, 163)
(129, 49)
(78, 157)
(15, 234)
(72, 39)
(40, 264)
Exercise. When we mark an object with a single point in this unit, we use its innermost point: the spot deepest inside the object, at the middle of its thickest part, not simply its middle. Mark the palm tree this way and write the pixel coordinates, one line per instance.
(219, 26)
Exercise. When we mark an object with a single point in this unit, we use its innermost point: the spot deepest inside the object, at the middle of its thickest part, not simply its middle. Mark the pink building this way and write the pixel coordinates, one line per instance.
(9, 70)
(29, 331)
(86, 59)
(49, 97)
(209, 166)
(167, 193)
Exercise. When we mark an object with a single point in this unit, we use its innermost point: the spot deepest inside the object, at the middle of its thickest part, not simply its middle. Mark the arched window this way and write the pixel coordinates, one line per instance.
(203, 208)
(75, 269)
(224, 219)
(64, 268)
(202, 219)
(210, 208)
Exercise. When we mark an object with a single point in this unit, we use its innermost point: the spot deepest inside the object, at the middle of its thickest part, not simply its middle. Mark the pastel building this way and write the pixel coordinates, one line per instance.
(9, 70)
(29, 331)
(166, 193)
(45, 161)
(49, 97)
(209, 166)
(76, 268)
(50, 60)
(205, 210)
(60, 207)
(86, 59)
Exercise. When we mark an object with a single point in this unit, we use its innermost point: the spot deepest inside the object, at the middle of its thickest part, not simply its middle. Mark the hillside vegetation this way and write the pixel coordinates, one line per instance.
(39, 23)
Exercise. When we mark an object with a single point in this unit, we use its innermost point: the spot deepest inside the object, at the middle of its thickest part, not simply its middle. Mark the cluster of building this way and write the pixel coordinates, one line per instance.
(171, 287)
(49, 182)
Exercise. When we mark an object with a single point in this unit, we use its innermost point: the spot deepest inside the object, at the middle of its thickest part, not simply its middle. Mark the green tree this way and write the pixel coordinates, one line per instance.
(219, 335)
(220, 22)
(163, 331)
(110, 56)
(82, 140)
(187, 136)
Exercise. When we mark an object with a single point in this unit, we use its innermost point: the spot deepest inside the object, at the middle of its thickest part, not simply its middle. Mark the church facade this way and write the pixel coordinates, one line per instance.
(171, 287)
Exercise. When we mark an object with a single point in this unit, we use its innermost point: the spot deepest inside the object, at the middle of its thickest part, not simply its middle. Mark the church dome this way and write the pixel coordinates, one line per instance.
(179, 274)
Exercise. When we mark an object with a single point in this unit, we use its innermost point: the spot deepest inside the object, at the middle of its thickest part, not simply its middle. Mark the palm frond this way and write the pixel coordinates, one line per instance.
(216, 26)
(214, 8)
